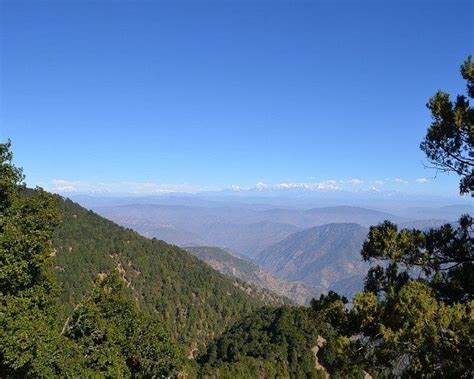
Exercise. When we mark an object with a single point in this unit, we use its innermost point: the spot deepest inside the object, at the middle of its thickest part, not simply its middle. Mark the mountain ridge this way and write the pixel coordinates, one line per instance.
(248, 271)
(324, 256)
(194, 300)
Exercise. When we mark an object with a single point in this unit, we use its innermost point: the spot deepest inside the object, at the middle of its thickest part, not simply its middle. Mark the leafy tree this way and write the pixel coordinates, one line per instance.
(415, 317)
(106, 335)
(116, 339)
(443, 257)
(270, 343)
(449, 141)
(27, 295)
(196, 302)
(412, 334)
(330, 308)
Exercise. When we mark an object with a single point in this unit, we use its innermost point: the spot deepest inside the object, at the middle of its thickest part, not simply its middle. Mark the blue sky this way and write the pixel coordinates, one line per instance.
(184, 96)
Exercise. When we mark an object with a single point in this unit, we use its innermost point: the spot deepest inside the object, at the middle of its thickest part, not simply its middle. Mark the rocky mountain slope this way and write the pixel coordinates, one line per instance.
(231, 265)
(326, 256)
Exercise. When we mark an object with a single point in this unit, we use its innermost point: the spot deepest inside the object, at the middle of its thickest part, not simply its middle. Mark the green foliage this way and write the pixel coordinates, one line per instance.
(449, 141)
(272, 343)
(27, 340)
(195, 302)
(409, 333)
(115, 339)
(338, 355)
(105, 336)
(413, 334)
(444, 256)
(11, 177)
(330, 309)
(416, 315)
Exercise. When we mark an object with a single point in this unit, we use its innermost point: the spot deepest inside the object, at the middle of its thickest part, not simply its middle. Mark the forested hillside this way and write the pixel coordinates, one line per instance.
(106, 334)
(270, 343)
(197, 301)
(127, 306)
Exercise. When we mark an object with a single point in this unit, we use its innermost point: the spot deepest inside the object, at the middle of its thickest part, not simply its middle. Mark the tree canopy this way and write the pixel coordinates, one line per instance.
(449, 141)
(106, 335)
(415, 317)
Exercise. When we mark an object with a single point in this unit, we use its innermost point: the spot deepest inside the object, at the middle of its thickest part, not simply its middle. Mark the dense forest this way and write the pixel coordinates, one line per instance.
(82, 297)
(166, 281)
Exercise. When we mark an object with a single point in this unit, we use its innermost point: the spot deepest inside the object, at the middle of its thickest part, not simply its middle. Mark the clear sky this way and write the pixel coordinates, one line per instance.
(150, 95)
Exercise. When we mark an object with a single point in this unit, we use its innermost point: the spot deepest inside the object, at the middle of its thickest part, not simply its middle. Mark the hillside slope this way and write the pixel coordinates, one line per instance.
(233, 266)
(270, 343)
(247, 239)
(196, 301)
(326, 256)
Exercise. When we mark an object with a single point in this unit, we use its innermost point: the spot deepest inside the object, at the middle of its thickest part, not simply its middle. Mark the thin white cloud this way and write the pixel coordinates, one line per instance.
(356, 181)
(150, 187)
(327, 185)
(67, 186)
(421, 180)
(261, 186)
(61, 185)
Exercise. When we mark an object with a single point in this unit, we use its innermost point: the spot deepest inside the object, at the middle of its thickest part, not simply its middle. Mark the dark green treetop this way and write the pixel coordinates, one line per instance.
(444, 257)
(415, 317)
(27, 303)
(449, 141)
(107, 334)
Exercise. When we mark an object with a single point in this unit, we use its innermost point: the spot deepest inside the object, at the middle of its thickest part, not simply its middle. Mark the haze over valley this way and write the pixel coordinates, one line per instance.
(297, 252)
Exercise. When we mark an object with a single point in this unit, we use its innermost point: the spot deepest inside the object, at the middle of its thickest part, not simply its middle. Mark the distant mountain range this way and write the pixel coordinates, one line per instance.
(340, 214)
(423, 224)
(290, 243)
(449, 212)
(247, 230)
(233, 266)
(326, 256)
(247, 239)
